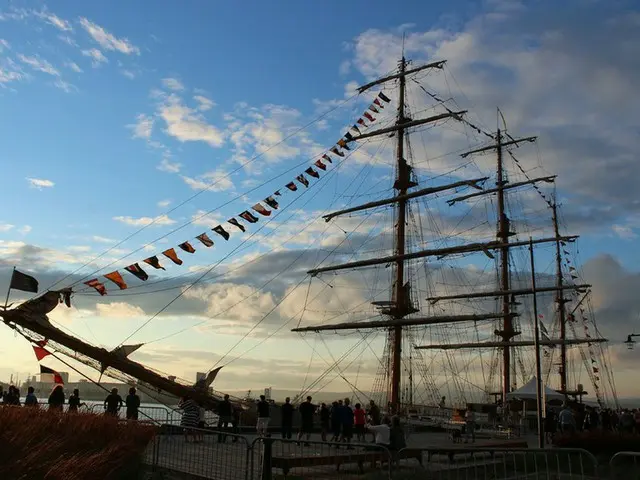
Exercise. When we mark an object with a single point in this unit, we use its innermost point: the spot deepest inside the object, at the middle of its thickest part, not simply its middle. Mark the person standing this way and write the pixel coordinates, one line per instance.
(347, 422)
(336, 421)
(359, 422)
(225, 418)
(74, 401)
(190, 416)
(374, 415)
(133, 404)
(31, 400)
(56, 399)
(287, 419)
(263, 417)
(470, 425)
(307, 409)
(113, 403)
(325, 419)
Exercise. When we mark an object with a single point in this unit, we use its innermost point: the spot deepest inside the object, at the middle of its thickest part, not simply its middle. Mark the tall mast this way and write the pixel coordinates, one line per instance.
(503, 234)
(560, 301)
(398, 295)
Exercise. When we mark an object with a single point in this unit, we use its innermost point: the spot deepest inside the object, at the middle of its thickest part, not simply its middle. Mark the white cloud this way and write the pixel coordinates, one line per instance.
(164, 203)
(68, 40)
(25, 229)
(54, 20)
(5, 227)
(97, 57)
(40, 183)
(624, 231)
(187, 125)
(170, 167)
(119, 310)
(4, 45)
(141, 221)
(204, 219)
(39, 64)
(204, 103)
(107, 40)
(66, 86)
(99, 239)
(74, 66)
(7, 76)
(79, 248)
(143, 126)
(216, 181)
(172, 84)
(128, 73)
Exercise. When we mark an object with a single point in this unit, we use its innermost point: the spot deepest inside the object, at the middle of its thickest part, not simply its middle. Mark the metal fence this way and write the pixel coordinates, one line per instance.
(274, 458)
(478, 463)
(625, 466)
(201, 453)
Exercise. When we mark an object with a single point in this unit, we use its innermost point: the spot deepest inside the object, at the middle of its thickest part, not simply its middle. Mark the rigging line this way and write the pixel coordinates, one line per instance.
(306, 298)
(242, 246)
(294, 133)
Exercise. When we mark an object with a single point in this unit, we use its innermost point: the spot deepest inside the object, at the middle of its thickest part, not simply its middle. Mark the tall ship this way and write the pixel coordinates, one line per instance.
(440, 258)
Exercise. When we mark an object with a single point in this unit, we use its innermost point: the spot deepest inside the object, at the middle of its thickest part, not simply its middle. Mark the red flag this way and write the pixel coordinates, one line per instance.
(57, 378)
(94, 283)
(40, 352)
(312, 173)
(116, 278)
(186, 246)
(261, 210)
(320, 165)
(206, 241)
(292, 186)
(368, 116)
(377, 102)
(171, 255)
(154, 262)
(135, 269)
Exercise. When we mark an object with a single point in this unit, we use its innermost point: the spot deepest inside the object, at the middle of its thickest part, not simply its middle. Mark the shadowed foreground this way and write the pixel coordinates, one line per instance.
(41, 444)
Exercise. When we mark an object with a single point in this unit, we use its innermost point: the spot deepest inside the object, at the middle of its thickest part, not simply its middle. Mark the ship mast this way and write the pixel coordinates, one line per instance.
(560, 300)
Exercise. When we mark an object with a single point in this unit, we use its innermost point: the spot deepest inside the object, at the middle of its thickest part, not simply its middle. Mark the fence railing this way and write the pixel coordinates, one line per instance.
(625, 466)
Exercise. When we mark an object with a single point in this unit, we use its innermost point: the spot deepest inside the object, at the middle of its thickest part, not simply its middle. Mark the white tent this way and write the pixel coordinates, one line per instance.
(529, 391)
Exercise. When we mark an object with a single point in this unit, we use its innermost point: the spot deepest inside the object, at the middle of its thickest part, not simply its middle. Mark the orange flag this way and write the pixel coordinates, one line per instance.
(94, 283)
(116, 278)
(171, 255)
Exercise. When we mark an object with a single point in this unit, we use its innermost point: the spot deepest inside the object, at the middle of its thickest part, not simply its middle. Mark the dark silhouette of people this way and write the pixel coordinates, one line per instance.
(225, 418)
(133, 404)
(113, 403)
(56, 399)
(31, 400)
(307, 410)
(336, 423)
(325, 421)
(74, 401)
(287, 418)
(263, 417)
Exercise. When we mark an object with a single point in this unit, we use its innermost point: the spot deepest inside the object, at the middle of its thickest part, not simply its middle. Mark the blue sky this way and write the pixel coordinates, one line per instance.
(115, 113)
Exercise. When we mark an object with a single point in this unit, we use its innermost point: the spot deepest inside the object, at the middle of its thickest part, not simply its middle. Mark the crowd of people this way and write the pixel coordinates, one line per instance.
(57, 400)
(339, 422)
(569, 420)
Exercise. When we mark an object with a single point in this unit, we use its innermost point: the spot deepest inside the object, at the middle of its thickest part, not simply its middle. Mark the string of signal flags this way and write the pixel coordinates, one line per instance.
(249, 216)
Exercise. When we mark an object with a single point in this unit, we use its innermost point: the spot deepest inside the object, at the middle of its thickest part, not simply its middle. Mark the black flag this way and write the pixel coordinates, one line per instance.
(24, 282)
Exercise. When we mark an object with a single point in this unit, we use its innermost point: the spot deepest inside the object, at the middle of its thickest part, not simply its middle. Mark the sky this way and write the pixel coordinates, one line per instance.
(130, 128)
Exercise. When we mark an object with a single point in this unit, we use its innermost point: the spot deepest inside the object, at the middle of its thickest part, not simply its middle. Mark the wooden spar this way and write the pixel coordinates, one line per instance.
(401, 74)
(503, 144)
(400, 322)
(548, 179)
(500, 293)
(519, 343)
(408, 124)
(561, 307)
(419, 193)
(437, 252)
(39, 324)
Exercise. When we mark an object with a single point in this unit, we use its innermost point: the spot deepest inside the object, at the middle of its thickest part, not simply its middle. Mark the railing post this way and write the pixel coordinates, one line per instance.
(266, 458)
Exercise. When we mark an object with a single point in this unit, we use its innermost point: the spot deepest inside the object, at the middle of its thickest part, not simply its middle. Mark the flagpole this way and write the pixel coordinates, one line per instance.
(6, 300)
(539, 397)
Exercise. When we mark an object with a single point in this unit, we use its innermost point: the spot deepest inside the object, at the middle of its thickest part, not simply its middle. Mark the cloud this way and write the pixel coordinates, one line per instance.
(39, 64)
(99, 239)
(107, 40)
(25, 229)
(40, 183)
(624, 231)
(216, 181)
(172, 84)
(96, 56)
(164, 203)
(4, 45)
(128, 73)
(54, 20)
(143, 126)
(170, 167)
(74, 66)
(79, 248)
(186, 124)
(65, 86)
(5, 227)
(204, 103)
(141, 221)
(119, 310)
(68, 40)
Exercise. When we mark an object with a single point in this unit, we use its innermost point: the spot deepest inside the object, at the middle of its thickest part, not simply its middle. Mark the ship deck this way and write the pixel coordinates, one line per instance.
(230, 461)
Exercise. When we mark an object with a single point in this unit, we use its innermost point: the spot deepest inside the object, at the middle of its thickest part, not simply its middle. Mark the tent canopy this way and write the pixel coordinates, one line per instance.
(529, 391)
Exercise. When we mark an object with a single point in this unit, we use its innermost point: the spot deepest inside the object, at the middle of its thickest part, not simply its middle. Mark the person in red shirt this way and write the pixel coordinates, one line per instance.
(359, 421)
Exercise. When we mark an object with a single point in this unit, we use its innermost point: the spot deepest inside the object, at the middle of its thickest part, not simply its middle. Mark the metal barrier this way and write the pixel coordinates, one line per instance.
(200, 453)
(625, 466)
(271, 458)
(478, 463)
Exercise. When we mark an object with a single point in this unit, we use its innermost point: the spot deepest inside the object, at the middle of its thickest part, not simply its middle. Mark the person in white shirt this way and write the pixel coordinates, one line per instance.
(470, 425)
(382, 432)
